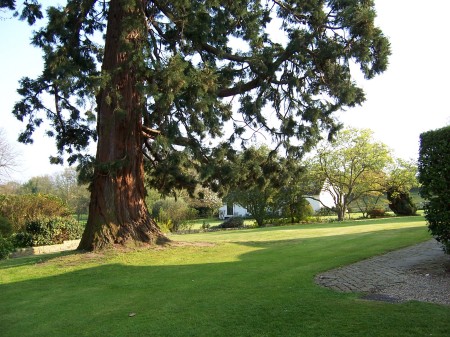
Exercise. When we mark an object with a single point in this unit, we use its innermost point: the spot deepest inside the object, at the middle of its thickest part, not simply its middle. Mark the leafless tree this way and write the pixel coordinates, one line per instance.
(8, 157)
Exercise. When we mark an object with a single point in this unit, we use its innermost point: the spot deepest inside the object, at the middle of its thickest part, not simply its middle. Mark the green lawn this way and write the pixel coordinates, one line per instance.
(198, 223)
(256, 282)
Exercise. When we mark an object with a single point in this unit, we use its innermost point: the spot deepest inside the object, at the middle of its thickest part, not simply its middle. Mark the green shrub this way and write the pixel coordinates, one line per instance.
(434, 176)
(6, 247)
(233, 222)
(325, 211)
(6, 227)
(19, 209)
(49, 231)
(306, 211)
(22, 240)
(205, 225)
(172, 214)
(297, 211)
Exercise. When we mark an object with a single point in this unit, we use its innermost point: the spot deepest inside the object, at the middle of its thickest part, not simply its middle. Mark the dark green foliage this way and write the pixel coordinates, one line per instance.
(6, 227)
(233, 222)
(401, 203)
(22, 240)
(40, 232)
(56, 230)
(172, 214)
(297, 210)
(6, 247)
(402, 178)
(303, 210)
(31, 9)
(255, 200)
(19, 209)
(257, 180)
(434, 175)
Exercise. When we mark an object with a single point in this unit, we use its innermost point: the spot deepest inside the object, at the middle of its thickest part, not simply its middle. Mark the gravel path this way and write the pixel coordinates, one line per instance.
(420, 272)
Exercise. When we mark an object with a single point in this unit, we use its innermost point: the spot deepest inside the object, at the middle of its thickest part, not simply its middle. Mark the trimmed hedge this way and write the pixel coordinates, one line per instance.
(51, 231)
(434, 175)
(42, 232)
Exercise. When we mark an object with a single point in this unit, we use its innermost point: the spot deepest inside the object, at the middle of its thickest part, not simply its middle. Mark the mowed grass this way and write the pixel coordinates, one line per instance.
(257, 282)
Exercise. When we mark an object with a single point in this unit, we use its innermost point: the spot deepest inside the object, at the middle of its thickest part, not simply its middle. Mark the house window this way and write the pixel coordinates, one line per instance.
(230, 208)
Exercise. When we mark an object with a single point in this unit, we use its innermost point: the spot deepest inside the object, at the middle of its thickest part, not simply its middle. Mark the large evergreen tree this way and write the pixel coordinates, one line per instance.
(165, 78)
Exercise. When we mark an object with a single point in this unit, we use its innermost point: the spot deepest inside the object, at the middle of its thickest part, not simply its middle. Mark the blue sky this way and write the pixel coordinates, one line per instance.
(408, 99)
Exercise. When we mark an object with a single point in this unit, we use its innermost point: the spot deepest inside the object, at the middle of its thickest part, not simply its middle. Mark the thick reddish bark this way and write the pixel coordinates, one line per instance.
(117, 211)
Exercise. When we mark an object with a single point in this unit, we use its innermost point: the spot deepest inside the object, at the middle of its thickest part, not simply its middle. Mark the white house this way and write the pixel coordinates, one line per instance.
(317, 200)
(230, 209)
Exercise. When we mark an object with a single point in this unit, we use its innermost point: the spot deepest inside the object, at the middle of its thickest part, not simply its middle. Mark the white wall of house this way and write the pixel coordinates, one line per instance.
(227, 211)
(326, 198)
(315, 204)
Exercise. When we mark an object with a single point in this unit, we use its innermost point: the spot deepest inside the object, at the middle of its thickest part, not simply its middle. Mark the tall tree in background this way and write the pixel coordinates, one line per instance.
(166, 78)
(351, 167)
(255, 178)
(290, 198)
(402, 178)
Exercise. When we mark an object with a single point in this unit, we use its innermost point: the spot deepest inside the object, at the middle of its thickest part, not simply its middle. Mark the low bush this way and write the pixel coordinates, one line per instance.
(172, 215)
(6, 247)
(233, 222)
(376, 213)
(297, 211)
(277, 222)
(205, 225)
(22, 240)
(50, 231)
(324, 211)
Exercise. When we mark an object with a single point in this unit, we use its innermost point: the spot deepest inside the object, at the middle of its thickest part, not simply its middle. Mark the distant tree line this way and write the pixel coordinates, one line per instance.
(63, 185)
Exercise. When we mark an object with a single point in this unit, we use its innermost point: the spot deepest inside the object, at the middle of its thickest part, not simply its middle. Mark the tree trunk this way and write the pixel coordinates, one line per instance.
(341, 213)
(117, 211)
